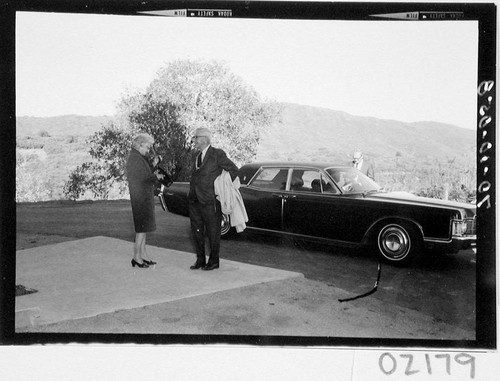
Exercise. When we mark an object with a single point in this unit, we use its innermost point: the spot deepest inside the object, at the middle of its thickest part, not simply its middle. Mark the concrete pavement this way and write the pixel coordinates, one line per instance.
(93, 276)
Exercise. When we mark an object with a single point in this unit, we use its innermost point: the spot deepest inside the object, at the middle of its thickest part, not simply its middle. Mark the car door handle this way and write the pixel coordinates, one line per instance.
(284, 196)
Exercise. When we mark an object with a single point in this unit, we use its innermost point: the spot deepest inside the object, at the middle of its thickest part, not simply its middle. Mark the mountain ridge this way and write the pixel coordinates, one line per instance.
(70, 124)
(309, 132)
(334, 135)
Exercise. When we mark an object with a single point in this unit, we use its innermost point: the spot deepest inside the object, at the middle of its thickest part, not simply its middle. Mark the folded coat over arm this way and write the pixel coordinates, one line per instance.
(227, 192)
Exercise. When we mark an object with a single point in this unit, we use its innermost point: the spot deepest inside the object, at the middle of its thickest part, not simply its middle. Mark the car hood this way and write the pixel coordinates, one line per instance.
(411, 198)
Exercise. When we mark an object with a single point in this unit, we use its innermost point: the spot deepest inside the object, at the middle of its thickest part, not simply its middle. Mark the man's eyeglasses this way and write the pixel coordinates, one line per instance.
(198, 136)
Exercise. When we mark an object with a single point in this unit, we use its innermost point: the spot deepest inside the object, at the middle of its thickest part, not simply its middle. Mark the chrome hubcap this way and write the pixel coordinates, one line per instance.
(394, 242)
(225, 224)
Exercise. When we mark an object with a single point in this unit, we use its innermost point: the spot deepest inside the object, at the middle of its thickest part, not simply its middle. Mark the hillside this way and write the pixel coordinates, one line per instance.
(63, 125)
(314, 133)
(407, 156)
(323, 134)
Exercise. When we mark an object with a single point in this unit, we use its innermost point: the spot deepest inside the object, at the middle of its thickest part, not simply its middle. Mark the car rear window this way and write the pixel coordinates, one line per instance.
(246, 173)
(271, 178)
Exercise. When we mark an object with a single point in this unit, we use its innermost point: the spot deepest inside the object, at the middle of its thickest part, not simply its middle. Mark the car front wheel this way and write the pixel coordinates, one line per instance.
(398, 244)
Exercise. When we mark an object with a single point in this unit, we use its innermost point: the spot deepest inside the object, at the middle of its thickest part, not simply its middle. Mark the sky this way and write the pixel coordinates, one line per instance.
(402, 70)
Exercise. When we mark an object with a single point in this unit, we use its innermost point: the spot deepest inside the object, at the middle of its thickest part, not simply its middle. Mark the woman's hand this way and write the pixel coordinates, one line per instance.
(159, 176)
(156, 160)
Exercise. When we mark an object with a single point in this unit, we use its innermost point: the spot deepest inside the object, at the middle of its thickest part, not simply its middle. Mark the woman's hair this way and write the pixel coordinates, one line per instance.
(140, 139)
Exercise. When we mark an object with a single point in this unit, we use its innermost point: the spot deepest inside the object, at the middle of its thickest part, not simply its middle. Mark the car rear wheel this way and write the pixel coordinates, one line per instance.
(398, 244)
(226, 230)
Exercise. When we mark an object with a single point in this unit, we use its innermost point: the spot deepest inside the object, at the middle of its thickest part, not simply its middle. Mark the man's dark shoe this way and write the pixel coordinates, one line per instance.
(197, 265)
(211, 267)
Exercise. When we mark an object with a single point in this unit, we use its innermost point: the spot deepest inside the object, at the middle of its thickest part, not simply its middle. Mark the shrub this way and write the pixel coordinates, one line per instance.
(32, 183)
(108, 148)
(28, 142)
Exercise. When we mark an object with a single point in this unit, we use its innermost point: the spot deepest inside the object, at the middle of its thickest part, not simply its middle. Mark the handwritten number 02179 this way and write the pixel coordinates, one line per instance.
(388, 363)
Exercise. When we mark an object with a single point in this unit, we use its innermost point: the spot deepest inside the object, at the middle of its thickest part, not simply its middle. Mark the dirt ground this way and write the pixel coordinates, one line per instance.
(294, 307)
(300, 307)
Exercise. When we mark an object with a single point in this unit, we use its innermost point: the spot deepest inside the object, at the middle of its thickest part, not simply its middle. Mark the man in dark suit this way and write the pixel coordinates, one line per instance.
(204, 209)
(362, 165)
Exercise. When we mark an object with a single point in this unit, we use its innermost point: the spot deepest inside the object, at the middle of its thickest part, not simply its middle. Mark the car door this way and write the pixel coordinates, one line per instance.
(354, 212)
(312, 205)
(264, 198)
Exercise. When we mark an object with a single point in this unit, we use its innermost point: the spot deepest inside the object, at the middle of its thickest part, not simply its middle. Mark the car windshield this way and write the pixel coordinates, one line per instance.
(350, 180)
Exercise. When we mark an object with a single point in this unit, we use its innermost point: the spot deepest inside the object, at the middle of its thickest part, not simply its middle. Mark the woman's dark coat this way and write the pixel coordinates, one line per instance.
(141, 181)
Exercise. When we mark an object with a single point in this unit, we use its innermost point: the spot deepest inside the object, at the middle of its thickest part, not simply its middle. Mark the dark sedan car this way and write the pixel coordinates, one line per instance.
(341, 205)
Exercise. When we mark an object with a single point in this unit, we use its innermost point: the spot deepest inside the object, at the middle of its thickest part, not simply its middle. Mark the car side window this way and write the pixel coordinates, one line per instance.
(271, 178)
(310, 181)
(328, 186)
(304, 180)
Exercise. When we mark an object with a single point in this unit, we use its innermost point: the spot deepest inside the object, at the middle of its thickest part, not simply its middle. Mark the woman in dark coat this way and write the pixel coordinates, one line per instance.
(141, 180)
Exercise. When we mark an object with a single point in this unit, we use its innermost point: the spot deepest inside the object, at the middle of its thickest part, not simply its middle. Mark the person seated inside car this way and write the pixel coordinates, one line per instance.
(342, 180)
(296, 184)
(316, 185)
(329, 187)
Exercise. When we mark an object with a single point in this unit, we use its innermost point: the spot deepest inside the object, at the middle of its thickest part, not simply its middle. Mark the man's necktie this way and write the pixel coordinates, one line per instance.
(198, 161)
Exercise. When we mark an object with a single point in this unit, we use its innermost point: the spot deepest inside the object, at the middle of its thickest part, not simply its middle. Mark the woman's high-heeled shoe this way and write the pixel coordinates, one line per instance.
(135, 263)
(150, 263)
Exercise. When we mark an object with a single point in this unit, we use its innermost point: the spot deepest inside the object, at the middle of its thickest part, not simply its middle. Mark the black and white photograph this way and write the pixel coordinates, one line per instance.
(254, 174)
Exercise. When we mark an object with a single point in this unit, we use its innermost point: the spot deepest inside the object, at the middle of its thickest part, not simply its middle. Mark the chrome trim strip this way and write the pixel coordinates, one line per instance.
(349, 243)
(437, 240)
(466, 238)
(323, 239)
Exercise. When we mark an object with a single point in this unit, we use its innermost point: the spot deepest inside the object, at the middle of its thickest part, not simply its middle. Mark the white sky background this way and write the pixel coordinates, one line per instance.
(403, 70)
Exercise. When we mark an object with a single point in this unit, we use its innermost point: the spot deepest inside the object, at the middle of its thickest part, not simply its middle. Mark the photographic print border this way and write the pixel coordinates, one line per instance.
(484, 13)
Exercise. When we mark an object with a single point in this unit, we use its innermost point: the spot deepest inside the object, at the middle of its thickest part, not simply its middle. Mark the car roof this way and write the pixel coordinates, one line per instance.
(295, 164)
